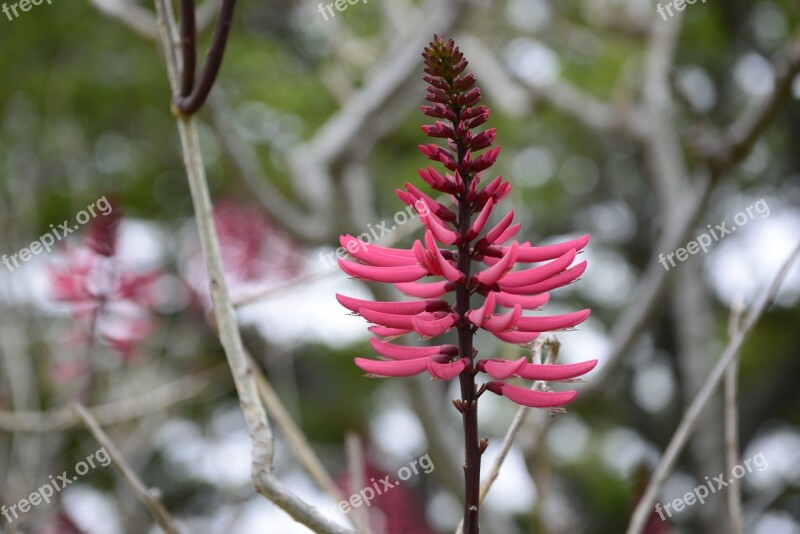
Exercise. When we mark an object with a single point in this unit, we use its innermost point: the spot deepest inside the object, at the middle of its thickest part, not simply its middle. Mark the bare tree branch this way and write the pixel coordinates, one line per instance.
(134, 407)
(732, 423)
(150, 497)
(690, 417)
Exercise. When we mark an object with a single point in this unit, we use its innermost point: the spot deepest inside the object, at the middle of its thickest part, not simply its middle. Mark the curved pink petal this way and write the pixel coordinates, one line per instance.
(415, 289)
(433, 328)
(534, 371)
(425, 258)
(401, 308)
(439, 209)
(393, 368)
(492, 274)
(495, 232)
(480, 220)
(389, 333)
(501, 323)
(552, 322)
(448, 370)
(501, 369)
(559, 280)
(365, 252)
(508, 234)
(441, 230)
(392, 320)
(403, 352)
(477, 317)
(532, 398)
(534, 275)
(447, 269)
(410, 273)
(549, 252)
(516, 337)
(528, 303)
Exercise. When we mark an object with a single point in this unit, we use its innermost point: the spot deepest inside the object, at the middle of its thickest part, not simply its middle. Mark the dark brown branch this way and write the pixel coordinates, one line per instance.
(189, 104)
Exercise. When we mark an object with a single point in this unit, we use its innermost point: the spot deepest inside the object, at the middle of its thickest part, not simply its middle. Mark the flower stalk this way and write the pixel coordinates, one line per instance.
(454, 240)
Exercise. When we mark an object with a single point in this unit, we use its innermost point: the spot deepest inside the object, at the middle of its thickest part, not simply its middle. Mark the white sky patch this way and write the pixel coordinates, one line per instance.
(513, 491)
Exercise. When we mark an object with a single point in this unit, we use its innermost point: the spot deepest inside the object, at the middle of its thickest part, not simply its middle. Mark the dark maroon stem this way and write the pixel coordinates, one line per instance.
(469, 397)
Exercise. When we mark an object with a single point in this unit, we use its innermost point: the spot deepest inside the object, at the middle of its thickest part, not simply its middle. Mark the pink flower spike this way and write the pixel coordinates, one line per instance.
(553, 322)
(501, 369)
(388, 333)
(553, 282)
(416, 289)
(528, 254)
(502, 323)
(433, 328)
(534, 275)
(446, 370)
(402, 352)
(491, 275)
(477, 317)
(533, 371)
(528, 303)
(532, 398)
(516, 337)
(393, 368)
(407, 273)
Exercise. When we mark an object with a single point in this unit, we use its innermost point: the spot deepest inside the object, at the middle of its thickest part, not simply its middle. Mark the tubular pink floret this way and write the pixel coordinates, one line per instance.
(388, 333)
(528, 254)
(502, 369)
(504, 322)
(393, 368)
(446, 370)
(534, 275)
(441, 230)
(480, 220)
(552, 322)
(495, 232)
(402, 352)
(446, 269)
(405, 273)
(528, 303)
(432, 328)
(516, 337)
(553, 282)
(477, 317)
(421, 290)
(532, 398)
(402, 308)
(391, 320)
(491, 275)
(401, 252)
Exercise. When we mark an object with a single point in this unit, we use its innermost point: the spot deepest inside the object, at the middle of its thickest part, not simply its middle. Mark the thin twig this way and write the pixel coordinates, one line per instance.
(133, 407)
(150, 497)
(732, 423)
(355, 467)
(689, 420)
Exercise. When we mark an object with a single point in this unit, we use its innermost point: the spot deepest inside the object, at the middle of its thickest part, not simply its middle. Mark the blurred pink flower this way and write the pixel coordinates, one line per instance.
(107, 301)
